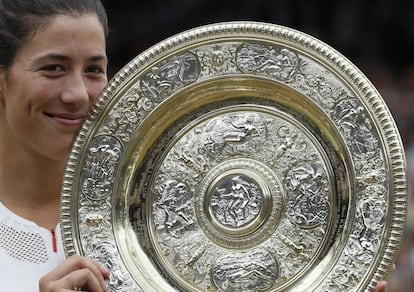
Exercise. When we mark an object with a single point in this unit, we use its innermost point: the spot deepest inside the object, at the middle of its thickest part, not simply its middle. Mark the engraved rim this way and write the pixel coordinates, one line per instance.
(325, 87)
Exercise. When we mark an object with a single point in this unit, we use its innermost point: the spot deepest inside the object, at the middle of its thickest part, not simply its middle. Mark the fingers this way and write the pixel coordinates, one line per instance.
(75, 272)
(381, 287)
(83, 278)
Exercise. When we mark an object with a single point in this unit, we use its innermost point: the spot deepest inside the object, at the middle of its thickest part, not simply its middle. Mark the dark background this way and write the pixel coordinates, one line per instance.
(377, 36)
(364, 31)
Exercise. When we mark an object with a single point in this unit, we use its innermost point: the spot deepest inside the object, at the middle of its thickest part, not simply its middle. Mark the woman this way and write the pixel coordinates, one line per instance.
(52, 67)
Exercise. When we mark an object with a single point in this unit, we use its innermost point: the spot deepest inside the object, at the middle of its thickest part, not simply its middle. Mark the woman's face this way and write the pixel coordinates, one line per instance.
(51, 84)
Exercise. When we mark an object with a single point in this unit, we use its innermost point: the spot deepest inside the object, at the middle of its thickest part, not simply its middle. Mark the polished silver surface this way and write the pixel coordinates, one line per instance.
(237, 156)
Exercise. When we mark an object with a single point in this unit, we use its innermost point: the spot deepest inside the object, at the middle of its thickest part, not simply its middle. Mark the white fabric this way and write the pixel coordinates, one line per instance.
(26, 252)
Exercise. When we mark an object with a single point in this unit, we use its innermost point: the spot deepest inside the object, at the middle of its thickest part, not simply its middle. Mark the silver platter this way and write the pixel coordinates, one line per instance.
(237, 156)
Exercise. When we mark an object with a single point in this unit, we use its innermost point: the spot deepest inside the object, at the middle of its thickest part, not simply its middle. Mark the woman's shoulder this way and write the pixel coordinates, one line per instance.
(26, 252)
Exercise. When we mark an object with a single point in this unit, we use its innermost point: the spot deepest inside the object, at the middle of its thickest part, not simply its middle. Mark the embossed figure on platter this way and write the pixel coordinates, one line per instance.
(163, 80)
(97, 181)
(234, 133)
(279, 63)
(308, 202)
(174, 206)
(236, 205)
(349, 114)
(253, 271)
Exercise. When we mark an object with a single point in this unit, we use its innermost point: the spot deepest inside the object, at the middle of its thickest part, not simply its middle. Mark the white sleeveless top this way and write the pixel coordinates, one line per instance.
(27, 252)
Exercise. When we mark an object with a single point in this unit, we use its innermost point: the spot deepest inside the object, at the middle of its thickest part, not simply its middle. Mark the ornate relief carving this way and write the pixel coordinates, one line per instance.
(244, 198)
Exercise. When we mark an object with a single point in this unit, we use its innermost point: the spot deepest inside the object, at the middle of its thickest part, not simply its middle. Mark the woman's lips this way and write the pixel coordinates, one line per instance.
(71, 120)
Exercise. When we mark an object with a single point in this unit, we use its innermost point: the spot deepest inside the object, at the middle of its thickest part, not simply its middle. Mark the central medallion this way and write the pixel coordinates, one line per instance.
(240, 203)
(236, 201)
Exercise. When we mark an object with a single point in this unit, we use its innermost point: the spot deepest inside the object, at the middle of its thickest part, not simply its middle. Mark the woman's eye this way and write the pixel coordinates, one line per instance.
(96, 69)
(53, 68)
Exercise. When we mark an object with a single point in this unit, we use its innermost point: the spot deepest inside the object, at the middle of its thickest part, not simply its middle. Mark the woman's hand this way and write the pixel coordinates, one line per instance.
(381, 287)
(75, 274)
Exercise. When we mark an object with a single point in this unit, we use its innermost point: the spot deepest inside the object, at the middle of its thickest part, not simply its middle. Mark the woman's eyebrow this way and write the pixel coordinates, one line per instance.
(98, 58)
(62, 57)
(54, 56)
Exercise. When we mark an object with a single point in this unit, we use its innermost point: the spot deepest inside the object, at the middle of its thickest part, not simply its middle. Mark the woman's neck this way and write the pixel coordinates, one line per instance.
(30, 187)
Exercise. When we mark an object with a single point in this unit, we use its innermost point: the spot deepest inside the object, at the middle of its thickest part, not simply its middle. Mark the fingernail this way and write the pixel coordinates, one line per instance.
(104, 270)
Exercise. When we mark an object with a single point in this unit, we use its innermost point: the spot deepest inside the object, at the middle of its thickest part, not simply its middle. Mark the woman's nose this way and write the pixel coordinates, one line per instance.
(75, 90)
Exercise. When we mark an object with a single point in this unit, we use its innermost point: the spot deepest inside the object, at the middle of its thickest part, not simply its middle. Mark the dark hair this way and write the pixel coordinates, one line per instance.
(20, 19)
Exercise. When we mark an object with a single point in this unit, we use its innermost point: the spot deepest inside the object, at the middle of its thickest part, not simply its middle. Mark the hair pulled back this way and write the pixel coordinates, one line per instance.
(20, 19)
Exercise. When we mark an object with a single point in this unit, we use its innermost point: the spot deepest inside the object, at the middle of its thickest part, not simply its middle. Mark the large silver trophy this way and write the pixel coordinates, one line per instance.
(238, 156)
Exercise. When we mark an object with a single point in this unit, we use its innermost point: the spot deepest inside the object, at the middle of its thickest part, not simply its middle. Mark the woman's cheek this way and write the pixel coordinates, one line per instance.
(49, 90)
(97, 90)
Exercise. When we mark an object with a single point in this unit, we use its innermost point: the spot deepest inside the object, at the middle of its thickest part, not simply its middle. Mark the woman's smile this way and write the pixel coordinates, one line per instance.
(67, 120)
